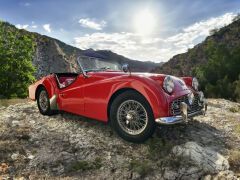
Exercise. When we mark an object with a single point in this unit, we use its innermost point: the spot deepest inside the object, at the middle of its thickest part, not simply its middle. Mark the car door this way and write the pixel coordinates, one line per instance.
(71, 98)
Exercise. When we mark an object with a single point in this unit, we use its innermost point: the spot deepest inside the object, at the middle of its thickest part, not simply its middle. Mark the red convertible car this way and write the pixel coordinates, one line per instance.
(134, 103)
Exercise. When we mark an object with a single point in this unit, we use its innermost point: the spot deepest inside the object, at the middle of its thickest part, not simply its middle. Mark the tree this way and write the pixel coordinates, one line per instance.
(219, 76)
(17, 49)
(237, 89)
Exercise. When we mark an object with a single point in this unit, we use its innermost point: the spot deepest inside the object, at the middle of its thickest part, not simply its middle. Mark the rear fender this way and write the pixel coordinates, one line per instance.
(50, 85)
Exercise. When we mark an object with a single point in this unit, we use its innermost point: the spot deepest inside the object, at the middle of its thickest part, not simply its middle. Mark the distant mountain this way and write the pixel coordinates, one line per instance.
(52, 55)
(184, 64)
(137, 66)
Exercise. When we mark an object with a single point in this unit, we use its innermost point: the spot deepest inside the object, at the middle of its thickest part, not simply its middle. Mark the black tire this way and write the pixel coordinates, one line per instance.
(47, 110)
(115, 110)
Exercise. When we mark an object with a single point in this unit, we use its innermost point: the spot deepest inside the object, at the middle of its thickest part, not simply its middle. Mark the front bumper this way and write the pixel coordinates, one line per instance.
(184, 115)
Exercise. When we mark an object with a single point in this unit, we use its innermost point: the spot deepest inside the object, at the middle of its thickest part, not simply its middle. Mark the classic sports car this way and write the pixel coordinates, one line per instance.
(134, 103)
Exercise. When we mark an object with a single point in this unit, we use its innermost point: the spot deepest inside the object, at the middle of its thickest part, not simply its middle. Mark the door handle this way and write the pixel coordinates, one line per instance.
(62, 95)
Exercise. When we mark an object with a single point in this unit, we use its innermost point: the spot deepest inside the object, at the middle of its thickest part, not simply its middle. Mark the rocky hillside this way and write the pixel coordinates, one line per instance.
(53, 55)
(183, 64)
(66, 146)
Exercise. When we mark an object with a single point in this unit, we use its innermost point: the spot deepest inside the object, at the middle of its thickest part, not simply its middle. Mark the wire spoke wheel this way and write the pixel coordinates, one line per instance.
(43, 100)
(132, 117)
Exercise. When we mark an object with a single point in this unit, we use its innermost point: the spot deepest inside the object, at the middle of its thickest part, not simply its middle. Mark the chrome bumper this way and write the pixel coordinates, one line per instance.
(184, 117)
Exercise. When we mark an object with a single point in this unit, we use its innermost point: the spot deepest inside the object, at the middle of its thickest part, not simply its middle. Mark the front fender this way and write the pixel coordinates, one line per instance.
(152, 92)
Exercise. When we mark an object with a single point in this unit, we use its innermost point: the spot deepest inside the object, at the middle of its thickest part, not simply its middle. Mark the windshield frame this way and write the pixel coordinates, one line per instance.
(81, 68)
(85, 71)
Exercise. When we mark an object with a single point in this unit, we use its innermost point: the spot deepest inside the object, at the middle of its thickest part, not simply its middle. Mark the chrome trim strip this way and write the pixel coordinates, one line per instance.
(176, 119)
(184, 116)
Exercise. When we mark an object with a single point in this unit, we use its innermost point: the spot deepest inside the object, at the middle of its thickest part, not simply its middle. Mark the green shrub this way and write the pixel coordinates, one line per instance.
(17, 49)
(142, 167)
(220, 76)
(86, 165)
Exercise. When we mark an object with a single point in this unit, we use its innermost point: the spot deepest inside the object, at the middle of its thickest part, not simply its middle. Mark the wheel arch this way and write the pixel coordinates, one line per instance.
(38, 89)
(151, 91)
(117, 93)
(47, 84)
(52, 97)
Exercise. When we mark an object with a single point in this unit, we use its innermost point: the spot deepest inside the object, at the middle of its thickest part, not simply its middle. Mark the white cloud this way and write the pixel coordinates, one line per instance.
(90, 23)
(47, 28)
(155, 49)
(22, 26)
(197, 32)
(26, 26)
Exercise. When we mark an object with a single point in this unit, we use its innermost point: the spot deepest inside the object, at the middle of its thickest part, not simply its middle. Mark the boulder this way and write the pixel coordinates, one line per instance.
(207, 160)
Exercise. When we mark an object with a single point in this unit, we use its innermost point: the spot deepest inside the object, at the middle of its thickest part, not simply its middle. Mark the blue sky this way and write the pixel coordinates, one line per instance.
(139, 29)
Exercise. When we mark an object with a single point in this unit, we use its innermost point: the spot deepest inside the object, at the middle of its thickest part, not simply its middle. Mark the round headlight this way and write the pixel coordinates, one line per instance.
(195, 83)
(168, 84)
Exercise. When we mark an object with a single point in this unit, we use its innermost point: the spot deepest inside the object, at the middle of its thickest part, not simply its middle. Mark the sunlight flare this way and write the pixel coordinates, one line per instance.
(144, 22)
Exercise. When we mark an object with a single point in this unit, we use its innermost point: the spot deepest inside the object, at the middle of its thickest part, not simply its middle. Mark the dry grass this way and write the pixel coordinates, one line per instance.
(142, 167)
(12, 140)
(159, 148)
(8, 102)
(234, 109)
(234, 160)
(237, 129)
(86, 165)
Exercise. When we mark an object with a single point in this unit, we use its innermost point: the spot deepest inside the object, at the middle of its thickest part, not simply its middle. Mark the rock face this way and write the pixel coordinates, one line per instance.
(53, 55)
(72, 147)
(206, 159)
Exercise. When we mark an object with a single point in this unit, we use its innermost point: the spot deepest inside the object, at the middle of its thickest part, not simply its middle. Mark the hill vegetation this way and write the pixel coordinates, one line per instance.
(215, 62)
(16, 53)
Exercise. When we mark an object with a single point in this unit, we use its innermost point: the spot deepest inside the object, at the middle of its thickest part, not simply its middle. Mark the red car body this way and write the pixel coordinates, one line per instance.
(92, 96)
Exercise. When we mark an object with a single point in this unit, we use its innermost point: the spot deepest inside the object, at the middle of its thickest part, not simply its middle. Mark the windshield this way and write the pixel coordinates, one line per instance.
(89, 64)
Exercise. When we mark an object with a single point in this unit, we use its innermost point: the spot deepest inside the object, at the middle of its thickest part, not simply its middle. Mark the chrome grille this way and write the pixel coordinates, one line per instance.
(175, 105)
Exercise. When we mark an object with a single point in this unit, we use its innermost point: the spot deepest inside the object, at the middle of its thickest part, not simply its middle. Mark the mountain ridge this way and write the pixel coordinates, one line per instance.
(183, 64)
(53, 55)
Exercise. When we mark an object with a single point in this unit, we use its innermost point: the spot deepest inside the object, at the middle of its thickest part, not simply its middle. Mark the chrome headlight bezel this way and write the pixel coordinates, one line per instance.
(191, 98)
(168, 84)
(195, 83)
(201, 96)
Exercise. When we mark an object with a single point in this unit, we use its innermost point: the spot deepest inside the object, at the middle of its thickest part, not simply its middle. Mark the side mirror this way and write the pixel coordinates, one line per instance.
(125, 68)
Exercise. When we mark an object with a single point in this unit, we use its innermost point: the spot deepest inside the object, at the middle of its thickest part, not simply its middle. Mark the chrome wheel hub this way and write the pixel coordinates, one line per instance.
(43, 100)
(132, 117)
(129, 117)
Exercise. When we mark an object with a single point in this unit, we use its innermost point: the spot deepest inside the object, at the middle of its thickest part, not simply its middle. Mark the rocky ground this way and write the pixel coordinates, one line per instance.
(66, 146)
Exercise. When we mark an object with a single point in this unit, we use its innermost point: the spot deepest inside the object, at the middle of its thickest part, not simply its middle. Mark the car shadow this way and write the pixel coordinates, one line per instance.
(81, 119)
(91, 139)
(102, 127)
(200, 132)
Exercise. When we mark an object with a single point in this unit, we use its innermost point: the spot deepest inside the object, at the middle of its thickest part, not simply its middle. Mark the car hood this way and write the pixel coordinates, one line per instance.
(158, 78)
(179, 83)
